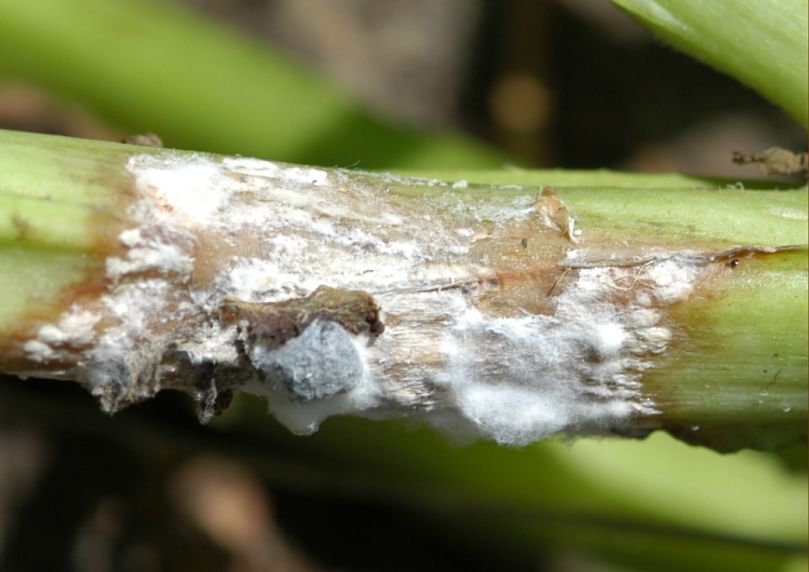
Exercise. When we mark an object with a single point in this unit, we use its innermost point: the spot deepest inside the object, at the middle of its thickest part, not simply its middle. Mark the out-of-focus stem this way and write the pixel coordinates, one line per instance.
(162, 66)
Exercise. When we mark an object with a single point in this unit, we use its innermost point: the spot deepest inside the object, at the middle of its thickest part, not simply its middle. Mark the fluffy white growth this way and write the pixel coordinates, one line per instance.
(513, 379)
(259, 279)
(447, 354)
(152, 255)
(511, 414)
(76, 328)
(309, 176)
(291, 175)
(119, 358)
(36, 350)
(673, 279)
(609, 339)
(520, 379)
(185, 191)
(251, 167)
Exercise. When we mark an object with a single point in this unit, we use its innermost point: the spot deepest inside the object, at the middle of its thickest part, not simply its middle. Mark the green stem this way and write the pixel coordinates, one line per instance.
(592, 497)
(719, 275)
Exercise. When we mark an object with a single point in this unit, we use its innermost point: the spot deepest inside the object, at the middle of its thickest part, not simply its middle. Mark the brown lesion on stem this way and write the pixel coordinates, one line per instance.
(523, 257)
(274, 323)
(85, 293)
(748, 419)
(103, 226)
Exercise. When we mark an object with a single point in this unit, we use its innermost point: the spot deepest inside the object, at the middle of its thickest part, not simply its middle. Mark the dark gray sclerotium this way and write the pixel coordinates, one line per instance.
(319, 363)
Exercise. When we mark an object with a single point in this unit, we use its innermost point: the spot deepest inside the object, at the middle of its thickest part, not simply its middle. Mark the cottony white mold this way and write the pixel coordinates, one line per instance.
(523, 378)
(76, 328)
(281, 232)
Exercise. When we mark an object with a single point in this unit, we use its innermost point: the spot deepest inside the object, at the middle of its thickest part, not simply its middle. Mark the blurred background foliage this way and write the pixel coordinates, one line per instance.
(383, 84)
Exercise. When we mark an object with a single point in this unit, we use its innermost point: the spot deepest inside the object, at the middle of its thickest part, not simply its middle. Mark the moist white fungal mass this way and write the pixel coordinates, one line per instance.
(330, 257)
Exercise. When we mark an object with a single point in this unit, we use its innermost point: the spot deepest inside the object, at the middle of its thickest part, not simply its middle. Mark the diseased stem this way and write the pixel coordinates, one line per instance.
(506, 312)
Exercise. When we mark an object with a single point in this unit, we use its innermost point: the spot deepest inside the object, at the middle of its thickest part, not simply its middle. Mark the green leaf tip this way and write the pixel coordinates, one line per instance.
(762, 43)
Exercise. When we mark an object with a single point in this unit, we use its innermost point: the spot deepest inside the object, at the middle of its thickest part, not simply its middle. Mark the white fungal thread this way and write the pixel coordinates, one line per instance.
(519, 379)
(206, 231)
(75, 328)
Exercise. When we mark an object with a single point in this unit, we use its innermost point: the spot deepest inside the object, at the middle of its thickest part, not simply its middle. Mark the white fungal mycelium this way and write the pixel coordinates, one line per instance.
(206, 231)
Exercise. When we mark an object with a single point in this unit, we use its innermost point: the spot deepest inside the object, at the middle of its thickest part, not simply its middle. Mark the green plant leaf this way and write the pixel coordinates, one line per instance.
(762, 43)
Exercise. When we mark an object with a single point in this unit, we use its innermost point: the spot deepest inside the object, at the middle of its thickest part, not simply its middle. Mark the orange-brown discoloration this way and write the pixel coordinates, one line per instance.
(86, 291)
(525, 257)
